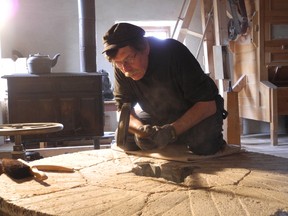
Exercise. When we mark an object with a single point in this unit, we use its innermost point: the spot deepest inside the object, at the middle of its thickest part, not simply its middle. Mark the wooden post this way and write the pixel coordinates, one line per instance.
(232, 133)
(274, 116)
(232, 122)
(209, 41)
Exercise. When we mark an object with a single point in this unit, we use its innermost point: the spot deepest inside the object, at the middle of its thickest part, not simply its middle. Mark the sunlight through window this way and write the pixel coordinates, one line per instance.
(159, 29)
(7, 9)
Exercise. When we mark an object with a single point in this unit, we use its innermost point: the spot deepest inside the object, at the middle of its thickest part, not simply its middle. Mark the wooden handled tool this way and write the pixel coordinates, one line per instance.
(138, 132)
(123, 126)
(53, 168)
(39, 175)
(19, 169)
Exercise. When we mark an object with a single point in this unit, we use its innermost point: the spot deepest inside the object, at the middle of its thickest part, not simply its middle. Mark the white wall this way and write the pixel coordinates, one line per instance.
(47, 27)
(51, 26)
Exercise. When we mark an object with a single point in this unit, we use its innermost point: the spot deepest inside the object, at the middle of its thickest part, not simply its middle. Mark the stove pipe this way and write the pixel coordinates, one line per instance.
(87, 39)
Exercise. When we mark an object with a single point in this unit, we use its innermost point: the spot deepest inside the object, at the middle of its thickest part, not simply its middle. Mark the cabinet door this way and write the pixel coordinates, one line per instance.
(275, 52)
(276, 33)
(91, 115)
(28, 109)
(80, 105)
(81, 115)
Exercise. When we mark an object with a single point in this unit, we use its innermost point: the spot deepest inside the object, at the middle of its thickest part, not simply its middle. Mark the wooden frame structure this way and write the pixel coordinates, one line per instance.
(254, 54)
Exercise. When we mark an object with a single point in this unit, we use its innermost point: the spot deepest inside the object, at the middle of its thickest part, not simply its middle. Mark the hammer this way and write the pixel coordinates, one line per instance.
(124, 128)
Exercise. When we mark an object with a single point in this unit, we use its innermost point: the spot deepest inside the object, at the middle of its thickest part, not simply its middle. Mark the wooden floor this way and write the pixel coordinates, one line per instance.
(260, 143)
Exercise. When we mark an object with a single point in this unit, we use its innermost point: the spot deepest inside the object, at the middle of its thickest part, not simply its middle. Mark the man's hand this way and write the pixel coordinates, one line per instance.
(147, 142)
(157, 137)
(164, 135)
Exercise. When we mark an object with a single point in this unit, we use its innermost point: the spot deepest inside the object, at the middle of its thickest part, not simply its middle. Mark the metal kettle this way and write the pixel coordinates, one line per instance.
(41, 64)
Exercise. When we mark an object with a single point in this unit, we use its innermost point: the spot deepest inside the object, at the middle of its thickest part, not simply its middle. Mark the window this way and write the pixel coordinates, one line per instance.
(159, 32)
(7, 9)
(159, 29)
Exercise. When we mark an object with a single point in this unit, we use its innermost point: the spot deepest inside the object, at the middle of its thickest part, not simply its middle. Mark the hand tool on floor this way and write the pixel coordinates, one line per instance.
(49, 168)
(39, 175)
(19, 169)
(123, 126)
(53, 168)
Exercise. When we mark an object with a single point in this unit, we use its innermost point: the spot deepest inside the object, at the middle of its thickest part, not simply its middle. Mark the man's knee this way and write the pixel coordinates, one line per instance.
(206, 138)
(208, 147)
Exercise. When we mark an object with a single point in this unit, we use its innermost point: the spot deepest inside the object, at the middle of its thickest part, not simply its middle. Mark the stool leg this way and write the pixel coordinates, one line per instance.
(96, 141)
(18, 149)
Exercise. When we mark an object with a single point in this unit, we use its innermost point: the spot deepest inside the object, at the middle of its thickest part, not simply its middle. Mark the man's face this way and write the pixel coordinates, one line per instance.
(131, 62)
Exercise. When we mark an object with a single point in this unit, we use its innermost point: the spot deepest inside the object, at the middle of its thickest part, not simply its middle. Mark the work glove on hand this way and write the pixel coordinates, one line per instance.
(158, 137)
(164, 135)
(146, 143)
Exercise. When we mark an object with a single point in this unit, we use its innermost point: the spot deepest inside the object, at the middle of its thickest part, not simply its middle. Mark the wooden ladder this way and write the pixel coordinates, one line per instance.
(182, 25)
(185, 17)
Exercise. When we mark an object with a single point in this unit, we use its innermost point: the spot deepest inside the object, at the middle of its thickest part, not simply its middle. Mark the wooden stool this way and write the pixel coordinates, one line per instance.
(19, 129)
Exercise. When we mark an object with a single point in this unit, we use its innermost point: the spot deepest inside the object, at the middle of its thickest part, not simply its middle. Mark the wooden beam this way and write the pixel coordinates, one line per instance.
(220, 22)
(240, 84)
(209, 41)
(187, 19)
(187, 31)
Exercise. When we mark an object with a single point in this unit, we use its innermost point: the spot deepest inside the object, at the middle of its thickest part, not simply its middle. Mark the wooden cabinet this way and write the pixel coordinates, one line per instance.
(262, 55)
(273, 56)
(275, 22)
(73, 99)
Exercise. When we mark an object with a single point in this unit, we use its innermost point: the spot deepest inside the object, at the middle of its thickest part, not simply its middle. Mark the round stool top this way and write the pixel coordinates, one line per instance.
(29, 128)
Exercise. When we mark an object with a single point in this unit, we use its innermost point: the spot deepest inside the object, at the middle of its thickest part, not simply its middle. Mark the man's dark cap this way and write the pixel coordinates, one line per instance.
(120, 34)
